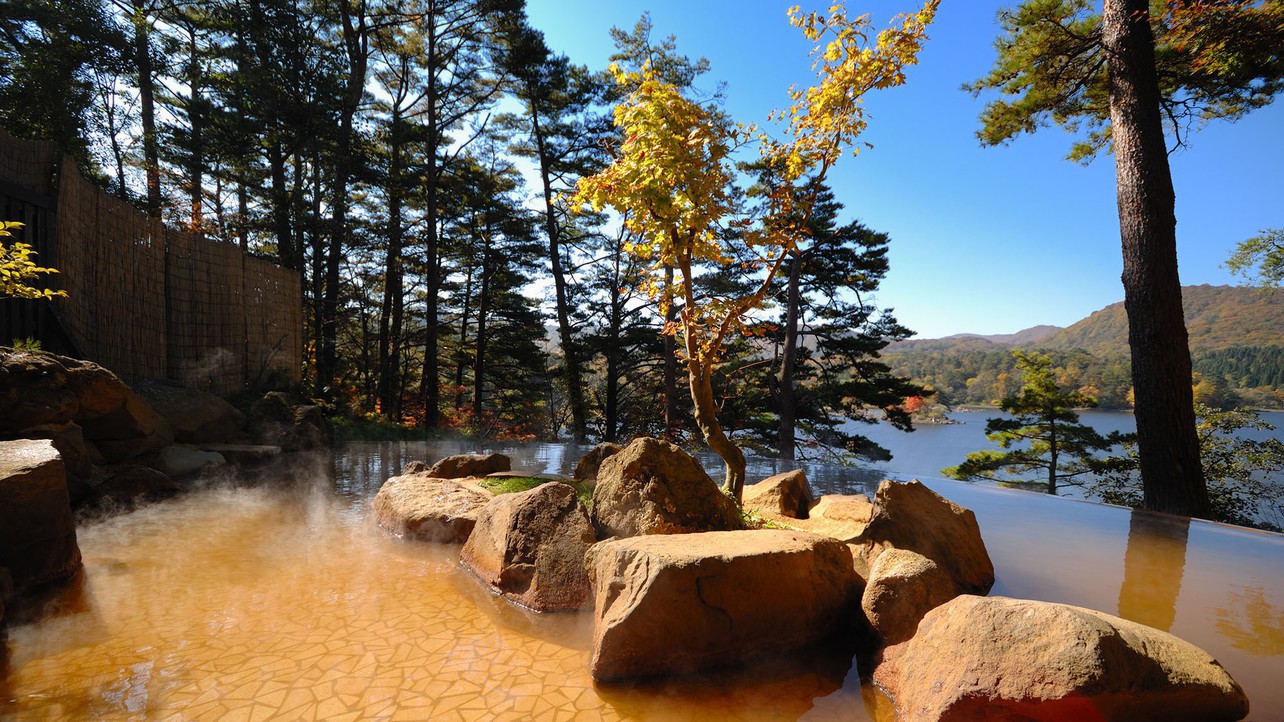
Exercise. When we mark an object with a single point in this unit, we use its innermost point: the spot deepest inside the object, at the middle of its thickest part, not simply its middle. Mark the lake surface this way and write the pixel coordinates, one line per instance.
(284, 600)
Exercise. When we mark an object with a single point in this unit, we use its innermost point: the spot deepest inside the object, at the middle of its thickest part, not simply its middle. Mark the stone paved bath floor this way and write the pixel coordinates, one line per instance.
(285, 601)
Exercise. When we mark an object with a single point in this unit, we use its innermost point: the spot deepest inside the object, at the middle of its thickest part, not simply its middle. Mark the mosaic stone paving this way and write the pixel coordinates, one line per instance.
(250, 605)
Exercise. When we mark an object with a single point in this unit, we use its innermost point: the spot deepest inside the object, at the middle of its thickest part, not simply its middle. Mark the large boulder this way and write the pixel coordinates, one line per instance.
(787, 494)
(903, 586)
(586, 468)
(196, 416)
(422, 507)
(841, 516)
(530, 546)
(69, 440)
(654, 487)
(464, 465)
(669, 604)
(39, 389)
(275, 420)
(1012, 659)
(37, 531)
(912, 517)
(131, 483)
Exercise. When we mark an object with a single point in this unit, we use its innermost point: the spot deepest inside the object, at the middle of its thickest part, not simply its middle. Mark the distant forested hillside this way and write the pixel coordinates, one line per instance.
(1236, 340)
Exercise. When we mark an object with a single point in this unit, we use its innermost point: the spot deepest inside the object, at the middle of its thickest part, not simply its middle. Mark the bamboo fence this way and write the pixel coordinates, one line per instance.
(148, 301)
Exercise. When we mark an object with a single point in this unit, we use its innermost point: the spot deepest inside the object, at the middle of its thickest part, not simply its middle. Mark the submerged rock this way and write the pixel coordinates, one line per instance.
(530, 546)
(587, 467)
(995, 658)
(673, 604)
(465, 465)
(420, 507)
(37, 531)
(787, 494)
(654, 487)
(181, 460)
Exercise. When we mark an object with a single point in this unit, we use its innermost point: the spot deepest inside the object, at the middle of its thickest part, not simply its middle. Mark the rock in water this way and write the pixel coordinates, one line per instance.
(197, 417)
(463, 465)
(995, 658)
(430, 509)
(530, 546)
(587, 467)
(912, 517)
(786, 494)
(37, 531)
(672, 604)
(903, 586)
(654, 487)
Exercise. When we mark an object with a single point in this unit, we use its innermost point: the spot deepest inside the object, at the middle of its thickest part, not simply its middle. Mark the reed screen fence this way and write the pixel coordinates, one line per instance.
(144, 300)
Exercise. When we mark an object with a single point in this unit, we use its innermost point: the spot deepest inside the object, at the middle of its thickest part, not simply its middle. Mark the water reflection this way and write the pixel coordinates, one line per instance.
(1251, 623)
(1154, 563)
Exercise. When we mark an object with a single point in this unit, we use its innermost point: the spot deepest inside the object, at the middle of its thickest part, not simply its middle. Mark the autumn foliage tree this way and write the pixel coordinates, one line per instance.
(673, 183)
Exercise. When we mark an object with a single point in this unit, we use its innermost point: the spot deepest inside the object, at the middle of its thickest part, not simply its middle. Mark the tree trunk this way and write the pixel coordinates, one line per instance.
(147, 101)
(389, 318)
(1052, 453)
(613, 353)
(196, 119)
(1172, 479)
(670, 360)
(787, 402)
(699, 377)
(483, 308)
(429, 389)
(570, 351)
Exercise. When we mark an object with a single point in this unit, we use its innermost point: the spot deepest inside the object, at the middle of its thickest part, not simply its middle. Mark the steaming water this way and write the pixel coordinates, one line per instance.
(285, 601)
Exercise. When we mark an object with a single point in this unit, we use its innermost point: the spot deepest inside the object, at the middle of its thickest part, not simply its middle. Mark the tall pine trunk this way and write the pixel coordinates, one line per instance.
(147, 104)
(390, 310)
(786, 401)
(670, 359)
(429, 389)
(1172, 479)
(570, 350)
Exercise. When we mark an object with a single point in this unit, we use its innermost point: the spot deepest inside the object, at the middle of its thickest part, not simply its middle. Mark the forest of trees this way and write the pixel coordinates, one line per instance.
(413, 161)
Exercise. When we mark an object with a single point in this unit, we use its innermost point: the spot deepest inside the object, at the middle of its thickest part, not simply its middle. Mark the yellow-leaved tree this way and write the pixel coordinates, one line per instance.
(673, 183)
(17, 270)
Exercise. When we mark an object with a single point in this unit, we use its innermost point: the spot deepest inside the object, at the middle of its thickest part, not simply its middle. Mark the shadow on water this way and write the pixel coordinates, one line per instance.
(819, 683)
(1154, 563)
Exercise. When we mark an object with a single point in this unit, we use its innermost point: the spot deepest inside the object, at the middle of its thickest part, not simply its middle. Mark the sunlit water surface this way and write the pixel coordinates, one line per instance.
(284, 600)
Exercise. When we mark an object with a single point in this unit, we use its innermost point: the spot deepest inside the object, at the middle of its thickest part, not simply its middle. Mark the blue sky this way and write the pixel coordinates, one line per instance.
(984, 240)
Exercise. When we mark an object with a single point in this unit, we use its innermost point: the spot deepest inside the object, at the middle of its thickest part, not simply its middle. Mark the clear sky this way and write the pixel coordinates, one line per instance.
(984, 240)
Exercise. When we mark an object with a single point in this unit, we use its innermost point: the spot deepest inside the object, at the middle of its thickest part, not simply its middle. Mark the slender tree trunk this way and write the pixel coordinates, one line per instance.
(147, 101)
(1052, 454)
(430, 390)
(389, 350)
(613, 352)
(1172, 479)
(700, 380)
(290, 257)
(570, 351)
(461, 359)
(787, 402)
(196, 120)
(242, 216)
(483, 308)
(670, 360)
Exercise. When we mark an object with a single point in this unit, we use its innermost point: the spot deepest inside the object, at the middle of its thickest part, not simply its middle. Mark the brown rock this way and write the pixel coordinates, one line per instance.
(37, 389)
(530, 546)
(69, 440)
(995, 658)
(430, 509)
(654, 487)
(275, 420)
(675, 604)
(786, 494)
(197, 417)
(37, 532)
(841, 516)
(902, 587)
(911, 516)
(416, 467)
(462, 465)
(133, 483)
(586, 468)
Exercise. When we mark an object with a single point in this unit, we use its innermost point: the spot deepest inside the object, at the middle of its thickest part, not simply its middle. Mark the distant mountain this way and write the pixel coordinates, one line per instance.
(1217, 317)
